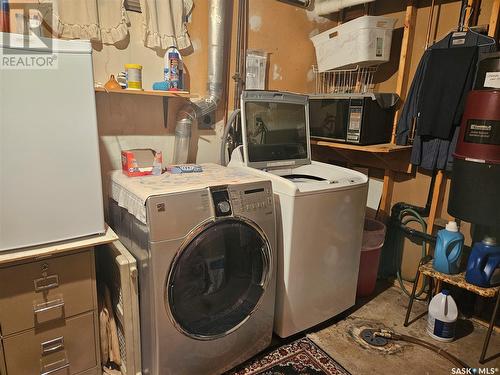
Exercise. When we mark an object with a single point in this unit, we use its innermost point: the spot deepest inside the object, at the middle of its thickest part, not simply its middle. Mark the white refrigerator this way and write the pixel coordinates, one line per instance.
(50, 176)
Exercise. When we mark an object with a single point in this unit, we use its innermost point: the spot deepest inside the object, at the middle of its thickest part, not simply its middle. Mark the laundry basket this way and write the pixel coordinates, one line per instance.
(373, 240)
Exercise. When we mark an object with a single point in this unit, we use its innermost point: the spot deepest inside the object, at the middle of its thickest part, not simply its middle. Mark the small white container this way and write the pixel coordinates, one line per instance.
(442, 317)
(134, 76)
(364, 41)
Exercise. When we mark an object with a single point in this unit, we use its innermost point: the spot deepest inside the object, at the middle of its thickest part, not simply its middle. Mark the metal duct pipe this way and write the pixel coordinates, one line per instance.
(331, 6)
(209, 103)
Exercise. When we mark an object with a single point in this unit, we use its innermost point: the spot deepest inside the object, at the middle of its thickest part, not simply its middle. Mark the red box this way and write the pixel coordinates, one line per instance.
(141, 162)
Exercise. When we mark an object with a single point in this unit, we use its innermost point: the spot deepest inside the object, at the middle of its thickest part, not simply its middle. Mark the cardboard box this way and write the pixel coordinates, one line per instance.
(141, 162)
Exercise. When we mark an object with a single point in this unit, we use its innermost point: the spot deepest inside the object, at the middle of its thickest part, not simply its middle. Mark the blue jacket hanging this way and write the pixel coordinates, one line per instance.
(433, 146)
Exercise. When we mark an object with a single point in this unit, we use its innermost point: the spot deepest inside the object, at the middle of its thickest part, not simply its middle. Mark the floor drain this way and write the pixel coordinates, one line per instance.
(368, 337)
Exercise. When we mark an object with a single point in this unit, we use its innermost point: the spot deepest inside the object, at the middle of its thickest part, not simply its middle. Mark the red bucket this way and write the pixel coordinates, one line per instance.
(373, 240)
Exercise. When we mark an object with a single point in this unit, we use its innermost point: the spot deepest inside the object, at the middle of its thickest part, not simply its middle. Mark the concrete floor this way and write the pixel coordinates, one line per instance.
(387, 310)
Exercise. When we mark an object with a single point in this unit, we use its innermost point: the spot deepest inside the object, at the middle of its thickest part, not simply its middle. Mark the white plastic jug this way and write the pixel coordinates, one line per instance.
(442, 319)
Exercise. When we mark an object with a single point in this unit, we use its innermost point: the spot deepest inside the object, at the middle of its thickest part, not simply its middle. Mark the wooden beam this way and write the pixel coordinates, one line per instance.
(493, 27)
(405, 57)
(429, 25)
(386, 199)
(468, 12)
(436, 198)
(472, 13)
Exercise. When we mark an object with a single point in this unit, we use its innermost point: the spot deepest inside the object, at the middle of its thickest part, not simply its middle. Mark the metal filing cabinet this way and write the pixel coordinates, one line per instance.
(48, 315)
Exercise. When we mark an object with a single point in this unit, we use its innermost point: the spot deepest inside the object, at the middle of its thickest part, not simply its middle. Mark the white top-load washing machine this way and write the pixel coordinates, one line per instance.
(320, 209)
(205, 246)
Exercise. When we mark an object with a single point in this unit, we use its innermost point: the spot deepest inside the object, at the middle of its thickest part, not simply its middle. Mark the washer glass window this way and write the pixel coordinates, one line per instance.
(218, 279)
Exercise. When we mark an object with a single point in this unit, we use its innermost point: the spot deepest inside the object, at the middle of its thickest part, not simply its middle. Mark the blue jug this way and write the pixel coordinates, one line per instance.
(448, 250)
(483, 267)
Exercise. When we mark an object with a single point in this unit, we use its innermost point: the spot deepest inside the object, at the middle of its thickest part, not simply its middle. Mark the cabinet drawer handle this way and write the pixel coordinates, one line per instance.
(45, 283)
(53, 345)
(65, 364)
(47, 306)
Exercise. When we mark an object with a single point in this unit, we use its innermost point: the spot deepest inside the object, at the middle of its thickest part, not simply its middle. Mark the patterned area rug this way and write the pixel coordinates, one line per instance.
(301, 357)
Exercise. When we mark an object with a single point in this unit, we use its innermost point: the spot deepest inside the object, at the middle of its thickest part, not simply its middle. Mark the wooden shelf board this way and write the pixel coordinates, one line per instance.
(387, 156)
(384, 148)
(169, 94)
(43, 251)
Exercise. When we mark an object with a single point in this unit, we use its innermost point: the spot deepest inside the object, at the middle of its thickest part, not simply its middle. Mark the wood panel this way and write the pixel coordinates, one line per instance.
(405, 57)
(495, 12)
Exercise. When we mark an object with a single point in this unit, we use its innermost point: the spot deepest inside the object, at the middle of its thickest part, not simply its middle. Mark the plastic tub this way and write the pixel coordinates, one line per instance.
(364, 41)
(373, 240)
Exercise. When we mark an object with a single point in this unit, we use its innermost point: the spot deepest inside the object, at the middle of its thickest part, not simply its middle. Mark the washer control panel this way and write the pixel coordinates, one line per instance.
(252, 198)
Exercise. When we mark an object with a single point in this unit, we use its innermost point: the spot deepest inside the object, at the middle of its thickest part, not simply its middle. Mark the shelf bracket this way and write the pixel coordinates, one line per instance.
(165, 111)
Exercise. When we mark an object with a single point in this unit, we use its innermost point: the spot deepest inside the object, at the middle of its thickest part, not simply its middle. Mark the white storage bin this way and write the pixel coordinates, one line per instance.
(365, 41)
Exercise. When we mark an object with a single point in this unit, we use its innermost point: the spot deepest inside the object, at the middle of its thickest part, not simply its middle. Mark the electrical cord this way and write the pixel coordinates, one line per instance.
(407, 216)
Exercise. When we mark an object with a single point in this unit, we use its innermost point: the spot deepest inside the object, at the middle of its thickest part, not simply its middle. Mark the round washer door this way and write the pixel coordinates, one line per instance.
(218, 279)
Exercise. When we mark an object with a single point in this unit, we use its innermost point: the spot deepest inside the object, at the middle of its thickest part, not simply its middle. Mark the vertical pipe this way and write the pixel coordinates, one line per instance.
(216, 36)
(238, 74)
(209, 103)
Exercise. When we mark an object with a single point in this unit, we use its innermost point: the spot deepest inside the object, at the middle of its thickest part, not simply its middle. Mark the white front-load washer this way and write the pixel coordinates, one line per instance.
(320, 210)
(205, 245)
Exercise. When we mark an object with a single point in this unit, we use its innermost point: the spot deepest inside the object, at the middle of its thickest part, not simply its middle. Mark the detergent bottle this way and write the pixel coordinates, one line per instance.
(442, 317)
(483, 266)
(448, 251)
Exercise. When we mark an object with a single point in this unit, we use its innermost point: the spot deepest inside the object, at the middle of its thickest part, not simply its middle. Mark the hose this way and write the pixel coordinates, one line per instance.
(227, 129)
(443, 353)
(406, 216)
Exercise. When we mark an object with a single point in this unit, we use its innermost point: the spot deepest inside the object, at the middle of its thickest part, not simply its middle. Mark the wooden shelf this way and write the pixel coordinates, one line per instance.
(384, 148)
(165, 94)
(385, 156)
(458, 280)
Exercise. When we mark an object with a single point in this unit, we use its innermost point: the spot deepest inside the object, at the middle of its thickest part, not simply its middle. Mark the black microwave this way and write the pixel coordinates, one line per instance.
(362, 119)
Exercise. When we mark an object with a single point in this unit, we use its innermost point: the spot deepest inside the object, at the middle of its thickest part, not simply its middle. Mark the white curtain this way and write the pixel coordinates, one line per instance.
(164, 23)
(97, 20)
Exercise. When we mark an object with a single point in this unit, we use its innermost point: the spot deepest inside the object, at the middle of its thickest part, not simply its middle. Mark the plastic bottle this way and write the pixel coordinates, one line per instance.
(4, 16)
(442, 317)
(173, 69)
(134, 76)
(483, 266)
(157, 164)
(448, 250)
